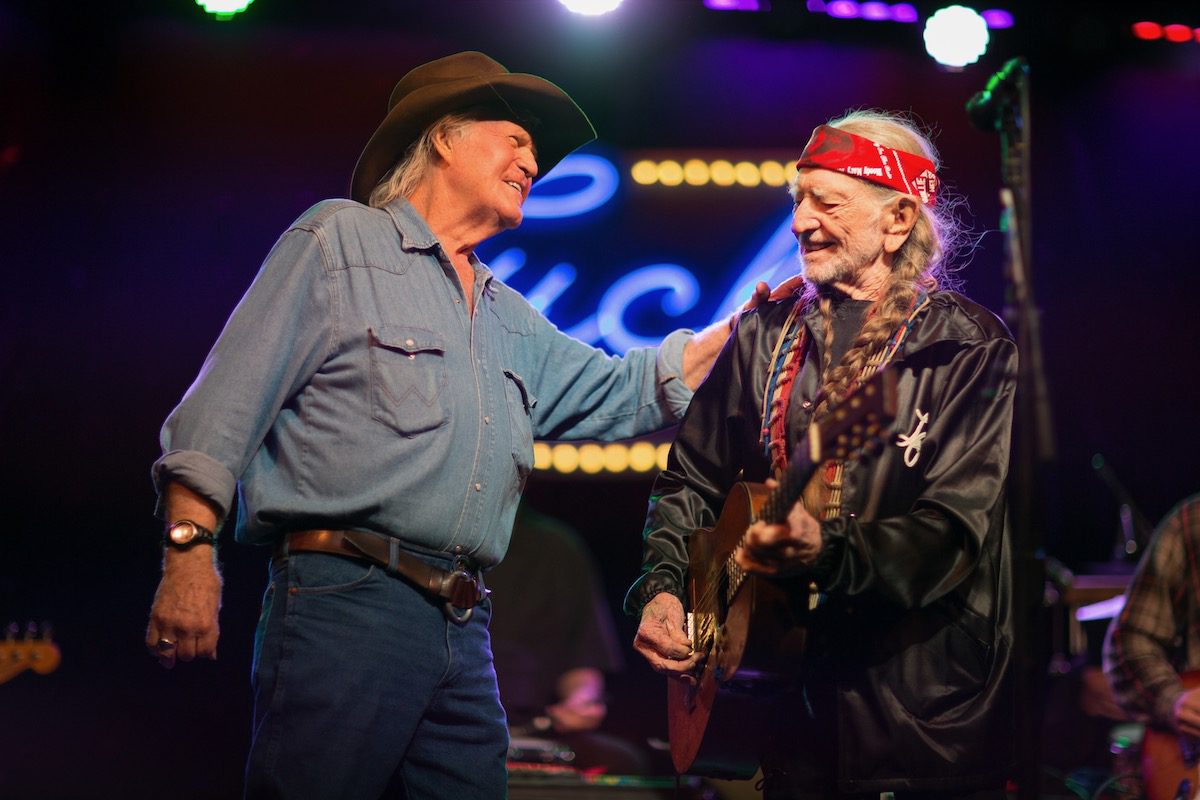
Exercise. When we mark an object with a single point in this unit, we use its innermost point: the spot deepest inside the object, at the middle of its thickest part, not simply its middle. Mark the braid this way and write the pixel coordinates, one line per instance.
(883, 318)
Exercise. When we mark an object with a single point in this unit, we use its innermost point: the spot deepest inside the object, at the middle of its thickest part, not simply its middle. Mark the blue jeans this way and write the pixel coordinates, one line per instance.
(363, 689)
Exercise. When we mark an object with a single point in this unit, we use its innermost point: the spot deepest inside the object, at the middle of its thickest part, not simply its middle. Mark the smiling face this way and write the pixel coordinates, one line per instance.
(491, 168)
(841, 226)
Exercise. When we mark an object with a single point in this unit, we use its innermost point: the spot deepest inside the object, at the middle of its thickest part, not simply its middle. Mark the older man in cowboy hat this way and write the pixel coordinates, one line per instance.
(373, 401)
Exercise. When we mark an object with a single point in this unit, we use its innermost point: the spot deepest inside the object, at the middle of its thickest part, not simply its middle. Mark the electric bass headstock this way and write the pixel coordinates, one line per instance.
(34, 650)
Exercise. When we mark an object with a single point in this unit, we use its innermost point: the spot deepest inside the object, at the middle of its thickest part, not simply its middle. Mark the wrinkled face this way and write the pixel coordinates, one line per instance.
(493, 165)
(839, 224)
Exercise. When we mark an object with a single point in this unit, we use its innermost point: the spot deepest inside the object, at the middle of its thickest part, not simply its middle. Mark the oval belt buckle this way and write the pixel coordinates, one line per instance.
(464, 590)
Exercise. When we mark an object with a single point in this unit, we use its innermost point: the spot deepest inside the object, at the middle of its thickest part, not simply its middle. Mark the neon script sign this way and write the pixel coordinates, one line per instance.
(582, 208)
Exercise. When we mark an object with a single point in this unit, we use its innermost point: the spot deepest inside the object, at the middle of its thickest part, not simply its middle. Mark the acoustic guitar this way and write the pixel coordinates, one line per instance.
(749, 627)
(1169, 759)
(34, 652)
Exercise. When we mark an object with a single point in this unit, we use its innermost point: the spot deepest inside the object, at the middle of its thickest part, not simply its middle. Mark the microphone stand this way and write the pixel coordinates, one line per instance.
(1003, 107)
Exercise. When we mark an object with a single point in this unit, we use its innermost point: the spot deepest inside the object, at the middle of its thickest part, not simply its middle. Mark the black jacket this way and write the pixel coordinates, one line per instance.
(906, 677)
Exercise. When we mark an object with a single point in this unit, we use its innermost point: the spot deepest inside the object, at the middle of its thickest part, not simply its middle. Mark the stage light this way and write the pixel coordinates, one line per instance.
(644, 172)
(670, 173)
(904, 12)
(591, 8)
(746, 174)
(738, 5)
(643, 457)
(875, 10)
(565, 458)
(722, 173)
(1152, 31)
(542, 457)
(843, 9)
(616, 457)
(224, 10)
(773, 173)
(997, 18)
(956, 36)
(591, 459)
(695, 172)
(1177, 33)
(1147, 30)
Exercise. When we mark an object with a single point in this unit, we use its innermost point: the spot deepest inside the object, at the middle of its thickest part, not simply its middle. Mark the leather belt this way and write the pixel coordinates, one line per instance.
(462, 587)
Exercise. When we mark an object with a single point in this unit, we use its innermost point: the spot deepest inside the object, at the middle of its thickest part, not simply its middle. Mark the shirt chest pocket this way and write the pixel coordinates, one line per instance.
(408, 378)
(520, 407)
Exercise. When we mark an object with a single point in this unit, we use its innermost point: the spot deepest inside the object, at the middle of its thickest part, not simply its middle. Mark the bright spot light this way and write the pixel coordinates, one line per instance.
(616, 457)
(772, 173)
(875, 10)
(997, 18)
(591, 8)
(956, 36)
(565, 458)
(1147, 30)
(642, 457)
(1177, 33)
(541, 456)
(746, 174)
(722, 172)
(842, 9)
(663, 450)
(670, 173)
(644, 172)
(591, 458)
(224, 9)
(695, 172)
(734, 5)
(904, 12)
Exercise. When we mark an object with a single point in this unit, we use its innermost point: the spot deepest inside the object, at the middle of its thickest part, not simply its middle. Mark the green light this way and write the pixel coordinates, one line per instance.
(224, 10)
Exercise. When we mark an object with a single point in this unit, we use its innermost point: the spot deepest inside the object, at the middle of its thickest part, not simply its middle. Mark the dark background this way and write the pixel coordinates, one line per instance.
(149, 157)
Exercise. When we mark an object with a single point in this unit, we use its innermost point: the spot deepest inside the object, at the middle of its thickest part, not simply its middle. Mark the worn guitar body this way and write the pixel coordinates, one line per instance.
(755, 642)
(1167, 760)
(751, 628)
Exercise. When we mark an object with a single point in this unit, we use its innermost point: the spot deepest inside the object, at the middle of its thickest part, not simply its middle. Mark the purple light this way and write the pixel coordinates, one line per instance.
(904, 12)
(816, 6)
(842, 9)
(997, 18)
(875, 10)
(733, 5)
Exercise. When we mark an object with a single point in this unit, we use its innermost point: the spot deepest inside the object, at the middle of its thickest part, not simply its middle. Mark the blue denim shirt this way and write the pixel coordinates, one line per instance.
(350, 389)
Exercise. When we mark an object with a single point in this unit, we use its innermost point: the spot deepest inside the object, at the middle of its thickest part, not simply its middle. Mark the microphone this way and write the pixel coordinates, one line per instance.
(983, 109)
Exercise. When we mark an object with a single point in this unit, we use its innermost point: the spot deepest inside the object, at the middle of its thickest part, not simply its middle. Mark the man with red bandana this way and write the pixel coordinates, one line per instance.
(900, 554)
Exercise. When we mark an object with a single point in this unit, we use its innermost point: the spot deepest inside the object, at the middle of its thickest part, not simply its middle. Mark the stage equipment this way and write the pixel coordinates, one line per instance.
(1003, 107)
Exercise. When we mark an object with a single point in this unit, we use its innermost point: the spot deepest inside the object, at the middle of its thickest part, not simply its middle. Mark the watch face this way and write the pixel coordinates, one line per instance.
(182, 532)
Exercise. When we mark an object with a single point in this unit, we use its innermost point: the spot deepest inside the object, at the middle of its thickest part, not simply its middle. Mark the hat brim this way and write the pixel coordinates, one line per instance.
(561, 124)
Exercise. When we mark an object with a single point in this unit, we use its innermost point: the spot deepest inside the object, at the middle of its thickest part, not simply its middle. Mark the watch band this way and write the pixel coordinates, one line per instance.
(185, 533)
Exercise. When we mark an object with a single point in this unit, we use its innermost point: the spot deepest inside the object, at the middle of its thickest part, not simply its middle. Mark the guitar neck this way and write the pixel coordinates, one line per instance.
(791, 485)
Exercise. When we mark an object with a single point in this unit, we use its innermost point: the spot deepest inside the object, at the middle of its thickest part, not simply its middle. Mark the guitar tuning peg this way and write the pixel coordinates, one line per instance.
(47, 631)
(11, 631)
(31, 630)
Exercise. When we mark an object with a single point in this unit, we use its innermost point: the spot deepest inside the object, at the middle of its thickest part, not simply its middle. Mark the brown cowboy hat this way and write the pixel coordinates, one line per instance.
(460, 81)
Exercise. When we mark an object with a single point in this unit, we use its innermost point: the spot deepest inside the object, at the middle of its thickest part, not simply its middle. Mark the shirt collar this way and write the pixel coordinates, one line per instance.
(416, 235)
(414, 231)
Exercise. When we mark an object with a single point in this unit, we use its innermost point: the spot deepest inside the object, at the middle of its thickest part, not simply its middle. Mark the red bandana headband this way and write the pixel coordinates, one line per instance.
(842, 151)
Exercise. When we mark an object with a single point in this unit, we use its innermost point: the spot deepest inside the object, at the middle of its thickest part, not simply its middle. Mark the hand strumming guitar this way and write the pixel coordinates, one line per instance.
(662, 638)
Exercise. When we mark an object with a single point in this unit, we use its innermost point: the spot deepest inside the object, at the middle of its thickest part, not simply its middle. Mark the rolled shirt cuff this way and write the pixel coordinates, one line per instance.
(201, 473)
(669, 365)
